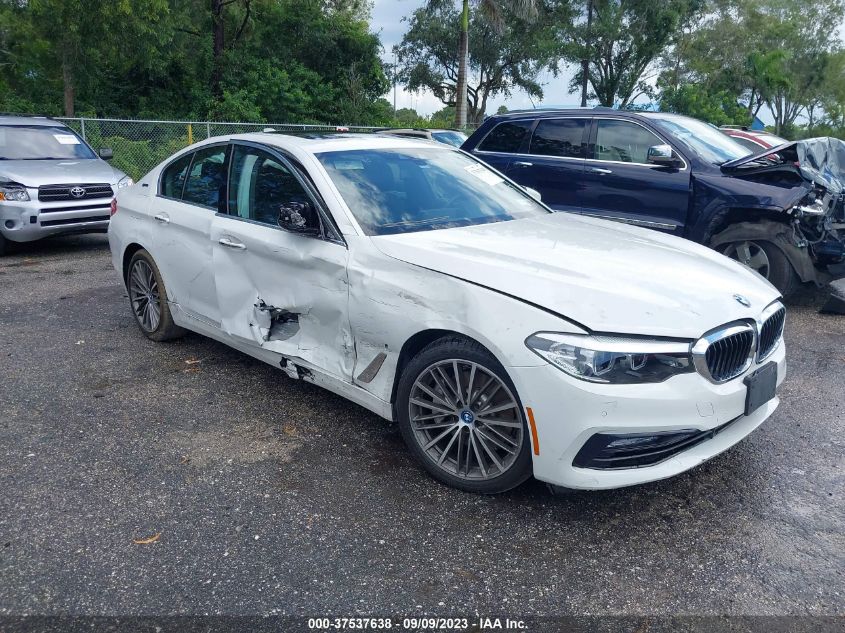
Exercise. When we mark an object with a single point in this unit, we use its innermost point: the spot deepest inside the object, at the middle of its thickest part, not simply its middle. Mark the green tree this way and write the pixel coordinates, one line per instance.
(770, 53)
(74, 43)
(495, 12)
(501, 59)
(622, 39)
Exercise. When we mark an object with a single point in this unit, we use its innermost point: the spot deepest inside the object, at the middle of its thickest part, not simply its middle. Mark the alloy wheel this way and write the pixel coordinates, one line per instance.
(751, 254)
(144, 295)
(466, 420)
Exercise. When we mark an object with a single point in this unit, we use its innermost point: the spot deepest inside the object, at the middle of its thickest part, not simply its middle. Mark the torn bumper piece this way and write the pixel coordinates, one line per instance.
(836, 302)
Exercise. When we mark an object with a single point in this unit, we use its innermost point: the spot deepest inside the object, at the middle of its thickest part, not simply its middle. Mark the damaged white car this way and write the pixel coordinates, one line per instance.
(505, 340)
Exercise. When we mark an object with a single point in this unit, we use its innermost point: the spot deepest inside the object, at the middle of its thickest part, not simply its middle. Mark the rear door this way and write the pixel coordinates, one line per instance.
(553, 163)
(190, 193)
(280, 291)
(620, 183)
(508, 138)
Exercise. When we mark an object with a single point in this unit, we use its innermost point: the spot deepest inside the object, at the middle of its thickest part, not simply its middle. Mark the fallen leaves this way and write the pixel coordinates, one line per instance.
(184, 460)
(146, 541)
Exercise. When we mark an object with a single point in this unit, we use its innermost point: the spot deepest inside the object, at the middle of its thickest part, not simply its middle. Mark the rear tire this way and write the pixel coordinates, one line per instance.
(768, 260)
(148, 299)
(462, 419)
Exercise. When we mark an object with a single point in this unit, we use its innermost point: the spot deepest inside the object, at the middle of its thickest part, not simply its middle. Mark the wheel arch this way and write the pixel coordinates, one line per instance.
(416, 343)
(775, 233)
(128, 253)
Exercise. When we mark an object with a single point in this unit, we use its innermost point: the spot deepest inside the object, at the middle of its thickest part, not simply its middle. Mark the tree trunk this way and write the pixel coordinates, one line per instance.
(218, 41)
(463, 62)
(585, 63)
(67, 81)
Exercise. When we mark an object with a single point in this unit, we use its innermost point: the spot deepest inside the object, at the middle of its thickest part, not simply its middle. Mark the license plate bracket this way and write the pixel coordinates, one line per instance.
(762, 385)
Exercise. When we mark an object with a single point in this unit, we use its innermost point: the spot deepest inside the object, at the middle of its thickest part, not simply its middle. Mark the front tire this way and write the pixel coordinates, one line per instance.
(768, 260)
(148, 299)
(3, 243)
(461, 418)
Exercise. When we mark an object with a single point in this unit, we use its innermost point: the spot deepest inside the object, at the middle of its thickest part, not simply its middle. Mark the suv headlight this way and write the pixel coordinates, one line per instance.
(126, 181)
(613, 359)
(13, 193)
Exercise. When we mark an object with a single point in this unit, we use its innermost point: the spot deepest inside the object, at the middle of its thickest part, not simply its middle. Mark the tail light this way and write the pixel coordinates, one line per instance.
(113, 206)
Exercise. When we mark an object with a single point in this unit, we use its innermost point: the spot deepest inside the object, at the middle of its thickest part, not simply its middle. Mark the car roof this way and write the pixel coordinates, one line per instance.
(548, 112)
(316, 143)
(29, 120)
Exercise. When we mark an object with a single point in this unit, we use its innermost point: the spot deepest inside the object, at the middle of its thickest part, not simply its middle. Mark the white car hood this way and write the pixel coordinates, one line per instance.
(34, 173)
(603, 275)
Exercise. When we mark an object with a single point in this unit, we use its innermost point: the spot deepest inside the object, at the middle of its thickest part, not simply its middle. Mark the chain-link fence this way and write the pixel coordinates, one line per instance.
(141, 145)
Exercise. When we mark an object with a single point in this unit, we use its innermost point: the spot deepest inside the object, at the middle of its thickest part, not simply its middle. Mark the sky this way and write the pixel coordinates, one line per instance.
(387, 21)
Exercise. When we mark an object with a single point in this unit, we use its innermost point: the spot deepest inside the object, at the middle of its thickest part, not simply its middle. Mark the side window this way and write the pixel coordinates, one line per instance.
(506, 137)
(261, 188)
(623, 141)
(206, 177)
(173, 178)
(560, 137)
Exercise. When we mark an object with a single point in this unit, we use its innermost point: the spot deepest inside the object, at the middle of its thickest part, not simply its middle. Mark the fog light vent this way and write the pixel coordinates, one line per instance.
(604, 451)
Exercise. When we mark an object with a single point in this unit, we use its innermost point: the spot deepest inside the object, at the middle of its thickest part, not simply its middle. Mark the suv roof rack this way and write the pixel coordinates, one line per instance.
(556, 109)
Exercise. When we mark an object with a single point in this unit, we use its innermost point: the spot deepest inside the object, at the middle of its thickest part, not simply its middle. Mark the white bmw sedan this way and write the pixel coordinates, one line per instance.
(412, 279)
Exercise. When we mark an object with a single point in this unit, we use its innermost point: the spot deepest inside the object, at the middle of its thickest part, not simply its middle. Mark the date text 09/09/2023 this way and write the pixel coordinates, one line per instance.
(416, 624)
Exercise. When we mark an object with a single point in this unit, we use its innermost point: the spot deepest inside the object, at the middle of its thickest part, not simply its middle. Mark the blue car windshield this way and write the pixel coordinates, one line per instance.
(710, 143)
(41, 142)
(408, 190)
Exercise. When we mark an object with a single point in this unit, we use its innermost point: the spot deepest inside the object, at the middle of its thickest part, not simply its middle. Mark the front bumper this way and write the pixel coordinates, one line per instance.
(33, 220)
(567, 412)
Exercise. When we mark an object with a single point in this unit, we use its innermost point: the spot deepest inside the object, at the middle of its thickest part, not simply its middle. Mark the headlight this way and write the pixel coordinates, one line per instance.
(613, 359)
(126, 181)
(13, 193)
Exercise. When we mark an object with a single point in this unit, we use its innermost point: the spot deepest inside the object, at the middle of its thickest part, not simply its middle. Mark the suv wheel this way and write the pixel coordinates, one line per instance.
(768, 260)
(461, 418)
(148, 298)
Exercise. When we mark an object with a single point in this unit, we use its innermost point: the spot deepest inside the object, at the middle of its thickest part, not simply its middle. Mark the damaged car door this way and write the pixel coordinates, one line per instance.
(280, 268)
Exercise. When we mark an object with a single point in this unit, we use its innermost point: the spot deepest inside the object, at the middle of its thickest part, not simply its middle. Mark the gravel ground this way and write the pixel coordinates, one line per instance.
(275, 497)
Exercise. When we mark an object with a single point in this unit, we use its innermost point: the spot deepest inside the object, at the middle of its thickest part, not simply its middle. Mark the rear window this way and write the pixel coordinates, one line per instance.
(173, 179)
(506, 137)
(560, 137)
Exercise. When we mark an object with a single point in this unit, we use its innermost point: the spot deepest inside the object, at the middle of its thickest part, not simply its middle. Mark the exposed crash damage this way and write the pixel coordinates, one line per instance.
(781, 212)
(274, 324)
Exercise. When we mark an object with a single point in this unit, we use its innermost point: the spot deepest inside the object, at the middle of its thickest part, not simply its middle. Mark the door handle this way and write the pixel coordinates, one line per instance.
(599, 170)
(225, 241)
(523, 163)
(162, 217)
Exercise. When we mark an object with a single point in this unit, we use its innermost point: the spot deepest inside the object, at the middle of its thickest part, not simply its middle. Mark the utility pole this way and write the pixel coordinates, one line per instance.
(585, 63)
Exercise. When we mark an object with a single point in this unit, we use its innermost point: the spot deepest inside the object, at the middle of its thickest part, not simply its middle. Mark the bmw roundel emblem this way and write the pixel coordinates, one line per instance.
(77, 192)
(467, 416)
(742, 301)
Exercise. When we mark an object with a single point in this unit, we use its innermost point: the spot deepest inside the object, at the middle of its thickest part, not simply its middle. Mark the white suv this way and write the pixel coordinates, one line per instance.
(51, 181)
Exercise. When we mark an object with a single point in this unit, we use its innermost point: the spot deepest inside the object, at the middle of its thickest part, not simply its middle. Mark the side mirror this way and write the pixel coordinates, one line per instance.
(533, 193)
(106, 153)
(299, 217)
(662, 155)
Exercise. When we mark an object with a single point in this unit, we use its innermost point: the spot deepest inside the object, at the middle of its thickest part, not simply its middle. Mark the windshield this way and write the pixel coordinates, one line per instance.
(771, 139)
(710, 143)
(41, 142)
(450, 137)
(409, 190)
